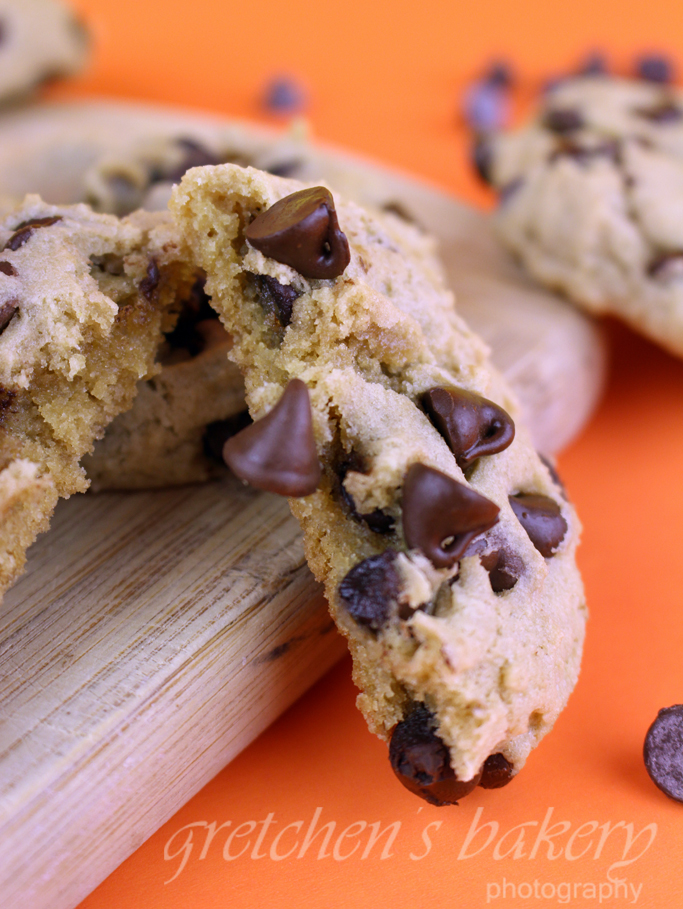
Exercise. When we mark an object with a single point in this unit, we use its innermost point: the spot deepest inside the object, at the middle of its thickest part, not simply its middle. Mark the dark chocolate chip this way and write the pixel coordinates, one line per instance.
(284, 95)
(399, 209)
(370, 589)
(506, 192)
(471, 425)
(482, 158)
(7, 269)
(378, 521)
(24, 231)
(666, 265)
(504, 569)
(441, 516)
(665, 112)
(302, 231)
(194, 155)
(278, 453)
(552, 470)
(584, 154)
(500, 73)
(288, 168)
(542, 519)
(496, 772)
(276, 297)
(563, 120)
(217, 434)
(663, 751)
(7, 311)
(195, 310)
(149, 285)
(654, 68)
(7, 398)
(595, 64)
(421, 761)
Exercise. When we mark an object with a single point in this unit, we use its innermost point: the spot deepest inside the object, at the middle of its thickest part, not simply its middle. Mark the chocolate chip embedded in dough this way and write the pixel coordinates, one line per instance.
(278, 297)
(7, 311)
(542, 519)
(663, 751)
(194, 155)
(472, 425)
(370, 589)
(278, 452)
(24, 231)
(666, 265)
(302, 231)
(504, 569)
(441, 516)
(563, 120)
(8, 269)
(149, 285)
(496, 772)
(665, 112)
(421, 761)
(377, 520)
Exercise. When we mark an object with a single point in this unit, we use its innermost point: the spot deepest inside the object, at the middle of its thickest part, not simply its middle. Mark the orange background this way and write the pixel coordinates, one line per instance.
(386, 80)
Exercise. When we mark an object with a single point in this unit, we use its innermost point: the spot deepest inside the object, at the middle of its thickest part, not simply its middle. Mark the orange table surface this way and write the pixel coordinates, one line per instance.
(582, 825)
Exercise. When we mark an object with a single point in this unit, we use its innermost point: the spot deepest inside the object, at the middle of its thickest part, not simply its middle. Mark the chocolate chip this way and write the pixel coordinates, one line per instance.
(552, 470)
(595, 64)
(217, 434)
(584, 154)
(441, 516)
(666, 265)
(506, 192)
(421, 761)
(482, 158)
(284, 95)
(7, 398)
(504, 569)
(665, 112)
(370, 589)
(7, 269)
(542, 519)
(563, 120)
(276, 297)
(654, 68)
(24, 231)
(287, 168)
(7, 311)
(278, 452)
(378, 521)
(302, 231)
(496, 772)
(149, 284)
(196, 310)
(399, 209)
(663, 751)
(471, 425)
(195, 155)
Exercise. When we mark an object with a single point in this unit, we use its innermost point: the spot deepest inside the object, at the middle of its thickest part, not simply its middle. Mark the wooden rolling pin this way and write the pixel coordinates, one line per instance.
(155, 634)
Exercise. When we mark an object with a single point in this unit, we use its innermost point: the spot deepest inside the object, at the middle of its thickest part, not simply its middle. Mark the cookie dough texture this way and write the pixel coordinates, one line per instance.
(40, 40)
(592, 199)
(83, 302)
(495, 669)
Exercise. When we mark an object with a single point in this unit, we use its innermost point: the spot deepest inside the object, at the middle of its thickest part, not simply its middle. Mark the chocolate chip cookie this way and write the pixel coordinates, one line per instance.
(84, 299)
(591, 199)
(445, 545)
(40, 40)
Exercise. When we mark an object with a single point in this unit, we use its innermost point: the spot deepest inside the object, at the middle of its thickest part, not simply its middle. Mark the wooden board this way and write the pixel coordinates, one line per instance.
(154, 635)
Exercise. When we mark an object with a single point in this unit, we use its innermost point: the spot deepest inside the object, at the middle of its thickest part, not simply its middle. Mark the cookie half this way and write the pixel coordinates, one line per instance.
(84, 299)
(445, 545)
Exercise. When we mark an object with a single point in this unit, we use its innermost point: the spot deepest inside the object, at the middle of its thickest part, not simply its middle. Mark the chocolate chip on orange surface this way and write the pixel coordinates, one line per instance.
(420, 760)
(370, 589)
(302, 231)
(542, 519)
(278, 452)
(441, 516)
(472, 425)
(663, 751)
